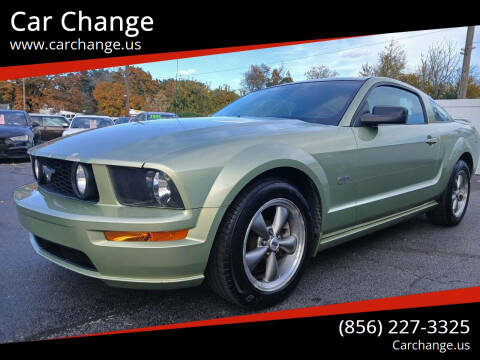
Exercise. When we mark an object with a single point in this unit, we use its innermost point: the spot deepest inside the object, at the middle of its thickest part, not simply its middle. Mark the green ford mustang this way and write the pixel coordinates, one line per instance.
(243, 198)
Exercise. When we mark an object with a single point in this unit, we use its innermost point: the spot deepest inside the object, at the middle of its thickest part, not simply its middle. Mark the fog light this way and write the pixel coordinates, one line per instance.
(81, 179)
(38, 171)
(145, 235)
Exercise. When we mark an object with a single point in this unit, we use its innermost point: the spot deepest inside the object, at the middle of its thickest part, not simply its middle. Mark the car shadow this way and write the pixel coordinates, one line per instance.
(14, 161)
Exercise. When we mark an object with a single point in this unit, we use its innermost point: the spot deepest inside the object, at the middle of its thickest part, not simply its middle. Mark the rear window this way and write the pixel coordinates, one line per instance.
(86, 122)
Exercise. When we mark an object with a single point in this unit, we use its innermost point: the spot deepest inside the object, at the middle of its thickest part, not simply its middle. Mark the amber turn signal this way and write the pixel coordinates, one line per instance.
(146, 235)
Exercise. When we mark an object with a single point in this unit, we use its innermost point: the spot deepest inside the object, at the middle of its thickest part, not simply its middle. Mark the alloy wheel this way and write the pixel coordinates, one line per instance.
(274, 245)
(460, 194)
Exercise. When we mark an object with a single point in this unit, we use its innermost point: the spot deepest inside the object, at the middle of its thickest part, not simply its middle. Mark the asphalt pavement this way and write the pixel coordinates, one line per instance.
(39, 299)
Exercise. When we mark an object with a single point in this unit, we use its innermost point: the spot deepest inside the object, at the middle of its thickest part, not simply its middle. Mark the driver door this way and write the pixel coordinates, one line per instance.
(396, 163)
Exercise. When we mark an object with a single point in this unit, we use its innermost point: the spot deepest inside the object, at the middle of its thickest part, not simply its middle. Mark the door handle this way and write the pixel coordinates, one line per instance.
(431, 140)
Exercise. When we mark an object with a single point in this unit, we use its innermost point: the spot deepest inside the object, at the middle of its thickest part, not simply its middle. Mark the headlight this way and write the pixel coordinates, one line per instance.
(19, 138)
(83, 182)
(144, 187)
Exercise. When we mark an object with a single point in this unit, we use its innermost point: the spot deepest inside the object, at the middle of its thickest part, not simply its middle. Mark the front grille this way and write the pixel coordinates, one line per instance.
(66, 253)
(61, 177)
(16, 152)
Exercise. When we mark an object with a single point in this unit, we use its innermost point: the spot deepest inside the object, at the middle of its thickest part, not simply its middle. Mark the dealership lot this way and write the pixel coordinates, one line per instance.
(41, 300)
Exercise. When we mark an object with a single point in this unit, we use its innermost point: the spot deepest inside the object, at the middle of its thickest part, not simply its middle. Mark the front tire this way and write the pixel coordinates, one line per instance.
(262, 245)
(454, 200)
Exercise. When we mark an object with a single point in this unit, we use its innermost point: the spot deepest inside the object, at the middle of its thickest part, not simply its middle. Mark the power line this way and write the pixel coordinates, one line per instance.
(323, 53)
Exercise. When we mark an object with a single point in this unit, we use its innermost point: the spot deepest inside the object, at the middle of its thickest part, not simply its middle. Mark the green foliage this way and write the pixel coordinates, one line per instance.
(189, 114)
(392, 61)
(438, 73)
(262, 76)
(103, 92)
(320, 72)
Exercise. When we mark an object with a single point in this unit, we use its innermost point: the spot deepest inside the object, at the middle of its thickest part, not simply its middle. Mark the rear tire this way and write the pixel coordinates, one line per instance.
(262, 245)
(454, 200)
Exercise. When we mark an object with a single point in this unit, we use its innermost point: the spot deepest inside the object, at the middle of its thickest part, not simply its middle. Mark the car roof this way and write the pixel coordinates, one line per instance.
(362, 79)
(345, 78)
(159, 112)
(38, 114)
(94, 116)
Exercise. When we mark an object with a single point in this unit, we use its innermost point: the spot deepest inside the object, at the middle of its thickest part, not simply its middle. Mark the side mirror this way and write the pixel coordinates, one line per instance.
(35, 124)
(65, 125)
(385, 115)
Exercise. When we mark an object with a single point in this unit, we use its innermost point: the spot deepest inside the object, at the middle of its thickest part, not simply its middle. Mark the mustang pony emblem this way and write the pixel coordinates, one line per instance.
(48, 171)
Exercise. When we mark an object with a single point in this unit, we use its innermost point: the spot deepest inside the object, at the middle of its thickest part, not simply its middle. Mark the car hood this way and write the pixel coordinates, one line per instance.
(70, 131)
(9, 131)
(135, 143)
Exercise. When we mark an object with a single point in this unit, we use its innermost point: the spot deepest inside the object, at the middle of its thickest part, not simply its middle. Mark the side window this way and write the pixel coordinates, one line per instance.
(438, 112)
(36, 120)
(392, 96)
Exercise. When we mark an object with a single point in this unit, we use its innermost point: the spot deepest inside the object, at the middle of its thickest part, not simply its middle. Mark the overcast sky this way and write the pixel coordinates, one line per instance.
(346, 56)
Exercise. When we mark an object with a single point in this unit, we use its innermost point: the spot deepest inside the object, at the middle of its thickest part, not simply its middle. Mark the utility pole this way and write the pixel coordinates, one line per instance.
(467, 53)
(127, 91)
(23, 92)
(176, 84)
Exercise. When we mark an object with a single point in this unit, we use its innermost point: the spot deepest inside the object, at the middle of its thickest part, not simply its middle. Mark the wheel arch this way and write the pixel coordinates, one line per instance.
(461, 150)
(303, 183)
(468, 158)
(293, 172)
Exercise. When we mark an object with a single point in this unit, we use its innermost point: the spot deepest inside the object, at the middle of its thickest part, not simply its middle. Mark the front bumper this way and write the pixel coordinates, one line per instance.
(14, 149)
(80, 225)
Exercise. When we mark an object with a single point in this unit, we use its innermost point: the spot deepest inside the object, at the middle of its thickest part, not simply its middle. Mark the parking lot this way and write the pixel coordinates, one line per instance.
(41, 300)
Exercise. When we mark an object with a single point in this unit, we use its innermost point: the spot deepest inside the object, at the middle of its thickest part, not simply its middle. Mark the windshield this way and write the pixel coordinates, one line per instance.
(322, 102)
(13, 118)
(86, 122)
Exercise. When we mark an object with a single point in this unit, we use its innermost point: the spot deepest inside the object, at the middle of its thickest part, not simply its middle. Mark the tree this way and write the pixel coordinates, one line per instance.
(191, 96)
(103, 91)
(262, 76)
(140, 81)
(473, 88)
(35, 93)
(367, 70)
(439, 70)
(111, 98)
(222, 96)
(157, 102)
(392, 61)
(279, 76)
(7, 92)
(320, 72)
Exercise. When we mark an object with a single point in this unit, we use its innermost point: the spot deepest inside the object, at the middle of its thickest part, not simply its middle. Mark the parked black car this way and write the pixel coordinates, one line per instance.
(17, 134)
(50, 126)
